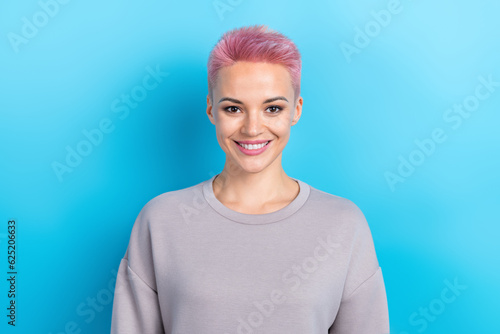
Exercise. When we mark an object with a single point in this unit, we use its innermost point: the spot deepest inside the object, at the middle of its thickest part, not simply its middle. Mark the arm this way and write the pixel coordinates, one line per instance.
(136, 309)
(135, 305)
(363, 308)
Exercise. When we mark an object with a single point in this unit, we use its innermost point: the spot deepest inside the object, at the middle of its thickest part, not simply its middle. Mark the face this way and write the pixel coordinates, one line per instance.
(253, 102)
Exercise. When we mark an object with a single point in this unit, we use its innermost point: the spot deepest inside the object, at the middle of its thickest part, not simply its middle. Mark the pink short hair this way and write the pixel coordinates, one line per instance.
(258, 44)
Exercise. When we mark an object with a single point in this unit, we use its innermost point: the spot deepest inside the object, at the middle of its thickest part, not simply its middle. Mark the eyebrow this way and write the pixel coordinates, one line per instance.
(272, 99)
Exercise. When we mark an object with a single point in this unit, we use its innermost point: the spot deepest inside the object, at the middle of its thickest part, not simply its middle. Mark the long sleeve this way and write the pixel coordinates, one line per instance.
(135, 305)
(136, 309)
(363, 309)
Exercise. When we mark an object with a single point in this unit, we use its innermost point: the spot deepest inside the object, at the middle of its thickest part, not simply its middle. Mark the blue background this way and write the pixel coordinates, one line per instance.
(362, 111)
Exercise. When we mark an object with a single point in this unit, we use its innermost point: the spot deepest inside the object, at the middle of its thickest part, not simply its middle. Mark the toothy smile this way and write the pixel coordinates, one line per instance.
(253, 146)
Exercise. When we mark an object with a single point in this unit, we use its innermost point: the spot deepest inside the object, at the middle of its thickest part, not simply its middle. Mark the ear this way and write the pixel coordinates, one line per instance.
(209, 110)
(298, 110)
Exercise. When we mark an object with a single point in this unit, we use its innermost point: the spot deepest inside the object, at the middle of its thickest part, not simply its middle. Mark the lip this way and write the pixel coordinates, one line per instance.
(253, 152)
(252, 142)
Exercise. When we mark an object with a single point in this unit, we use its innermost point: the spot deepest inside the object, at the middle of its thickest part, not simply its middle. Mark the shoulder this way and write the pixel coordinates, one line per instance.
(171, 202)
(346, 210)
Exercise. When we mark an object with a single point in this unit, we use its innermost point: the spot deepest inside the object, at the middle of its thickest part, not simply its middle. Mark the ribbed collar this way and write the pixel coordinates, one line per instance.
(245, 218)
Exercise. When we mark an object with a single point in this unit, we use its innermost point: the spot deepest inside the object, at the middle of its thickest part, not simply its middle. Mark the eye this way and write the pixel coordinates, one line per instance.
(234, 109)
(231, 111)
(276, 109)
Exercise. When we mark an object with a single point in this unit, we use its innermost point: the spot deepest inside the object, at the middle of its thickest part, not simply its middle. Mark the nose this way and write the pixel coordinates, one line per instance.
(253, 123)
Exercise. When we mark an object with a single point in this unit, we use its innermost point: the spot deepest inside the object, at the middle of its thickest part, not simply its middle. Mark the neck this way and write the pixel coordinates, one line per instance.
(254, 191)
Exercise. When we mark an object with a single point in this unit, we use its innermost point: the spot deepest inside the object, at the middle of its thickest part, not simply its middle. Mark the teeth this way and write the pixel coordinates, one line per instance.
(254, 147)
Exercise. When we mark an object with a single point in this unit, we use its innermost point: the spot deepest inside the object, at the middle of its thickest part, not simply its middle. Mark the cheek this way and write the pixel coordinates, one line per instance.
(224, 131)
(227, 125)
(280, 125)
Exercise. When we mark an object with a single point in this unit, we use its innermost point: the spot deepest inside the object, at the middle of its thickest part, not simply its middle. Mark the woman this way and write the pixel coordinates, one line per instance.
(251, 250)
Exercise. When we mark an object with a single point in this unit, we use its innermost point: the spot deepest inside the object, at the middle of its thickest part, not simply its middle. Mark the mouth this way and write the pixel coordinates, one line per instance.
(253, 149)
(253, 146)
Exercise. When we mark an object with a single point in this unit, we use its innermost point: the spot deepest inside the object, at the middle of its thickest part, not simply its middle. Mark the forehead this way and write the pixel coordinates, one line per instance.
(252, 77)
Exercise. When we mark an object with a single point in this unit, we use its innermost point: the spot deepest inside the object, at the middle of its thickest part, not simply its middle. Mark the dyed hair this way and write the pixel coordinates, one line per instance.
(256, 44)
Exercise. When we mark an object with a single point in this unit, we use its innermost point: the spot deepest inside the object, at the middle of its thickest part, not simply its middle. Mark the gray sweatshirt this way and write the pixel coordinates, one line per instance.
(194, 266)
